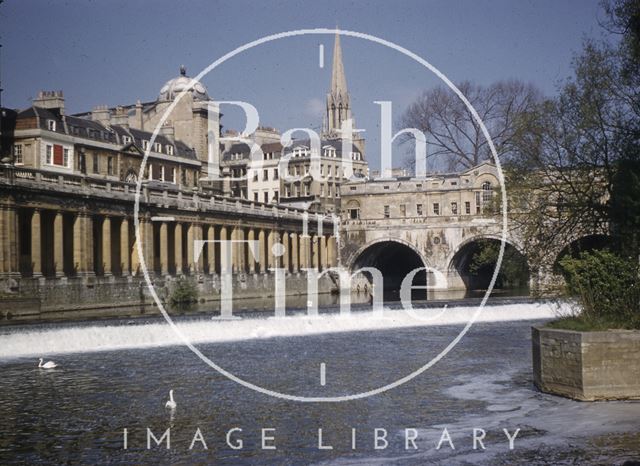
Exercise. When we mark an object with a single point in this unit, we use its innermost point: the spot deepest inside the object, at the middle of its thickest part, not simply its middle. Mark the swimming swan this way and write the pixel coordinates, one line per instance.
(171, 404)
(47, 365)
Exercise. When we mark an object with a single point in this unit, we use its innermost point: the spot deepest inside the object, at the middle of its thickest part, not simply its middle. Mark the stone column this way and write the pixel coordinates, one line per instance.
(164, 249)
(251, 237)
(331, 251)
(83, 245)
(4, 242)
(9, 241)
(106, 246)
(305, 246)
(295, 258)
(286, 263)
(11, 223)
(198, 235)
(58, 244)
(146, 235)
(242, 248)
(315, 250)
(271, 239)
(264, 265)
(237, 235)
(178, 249)
(191, 266)
(211, 249)
(322, 252)
(125, 252)
(36, 246)
(225, 266)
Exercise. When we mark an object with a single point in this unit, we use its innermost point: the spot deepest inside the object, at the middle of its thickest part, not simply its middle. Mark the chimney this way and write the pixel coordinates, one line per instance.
(139, 119)
(101, 114)
(168, 131)
(51, 100)
(121, 117)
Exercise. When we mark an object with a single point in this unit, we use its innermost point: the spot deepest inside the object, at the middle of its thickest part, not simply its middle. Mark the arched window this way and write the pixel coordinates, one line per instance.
(487, 192)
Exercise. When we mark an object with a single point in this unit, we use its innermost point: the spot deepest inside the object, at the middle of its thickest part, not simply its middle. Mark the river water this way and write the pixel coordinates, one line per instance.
(116, 375)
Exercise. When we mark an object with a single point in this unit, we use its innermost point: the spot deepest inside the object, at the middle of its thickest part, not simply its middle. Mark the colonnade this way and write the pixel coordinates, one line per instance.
(54, 244)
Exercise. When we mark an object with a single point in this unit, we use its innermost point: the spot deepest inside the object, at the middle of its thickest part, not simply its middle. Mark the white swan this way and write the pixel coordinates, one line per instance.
(47, 365)
(171, 404)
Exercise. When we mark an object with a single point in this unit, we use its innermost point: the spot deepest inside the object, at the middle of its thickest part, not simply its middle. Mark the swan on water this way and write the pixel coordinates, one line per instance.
(47, 365)
(171, 404)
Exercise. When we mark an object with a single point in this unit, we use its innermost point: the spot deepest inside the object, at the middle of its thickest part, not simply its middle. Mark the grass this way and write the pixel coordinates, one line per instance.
(581, 324)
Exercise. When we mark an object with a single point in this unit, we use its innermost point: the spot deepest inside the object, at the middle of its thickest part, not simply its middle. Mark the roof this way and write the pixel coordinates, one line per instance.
(84, 128)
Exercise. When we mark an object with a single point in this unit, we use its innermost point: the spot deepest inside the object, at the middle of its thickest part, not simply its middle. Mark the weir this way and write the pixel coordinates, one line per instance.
(65, 338)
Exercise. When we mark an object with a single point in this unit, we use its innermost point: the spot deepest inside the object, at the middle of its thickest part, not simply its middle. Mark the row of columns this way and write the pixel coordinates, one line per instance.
(79, 244)
(275, 249)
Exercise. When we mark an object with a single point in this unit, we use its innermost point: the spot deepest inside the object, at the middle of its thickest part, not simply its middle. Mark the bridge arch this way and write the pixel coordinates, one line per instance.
(590, 242)
(395, 259)
(474, 260)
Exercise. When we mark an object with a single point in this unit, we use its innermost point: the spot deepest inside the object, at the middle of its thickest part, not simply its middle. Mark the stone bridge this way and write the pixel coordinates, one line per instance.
(438, 222)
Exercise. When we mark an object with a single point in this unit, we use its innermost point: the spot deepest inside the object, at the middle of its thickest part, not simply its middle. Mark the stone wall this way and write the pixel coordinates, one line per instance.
(587, 365)
(83, 298)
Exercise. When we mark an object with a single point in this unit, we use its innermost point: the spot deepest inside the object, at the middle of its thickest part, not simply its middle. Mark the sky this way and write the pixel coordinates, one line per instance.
(116, 52)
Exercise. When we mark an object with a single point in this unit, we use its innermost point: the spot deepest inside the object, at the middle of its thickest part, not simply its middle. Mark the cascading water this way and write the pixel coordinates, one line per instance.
(106, 337)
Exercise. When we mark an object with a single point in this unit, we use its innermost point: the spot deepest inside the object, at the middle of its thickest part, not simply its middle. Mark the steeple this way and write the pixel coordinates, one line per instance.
(338, 79)
(338, 100)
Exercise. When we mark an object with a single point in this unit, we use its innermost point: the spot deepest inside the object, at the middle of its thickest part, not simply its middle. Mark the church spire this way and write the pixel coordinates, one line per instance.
(338, 79)
(338, 100)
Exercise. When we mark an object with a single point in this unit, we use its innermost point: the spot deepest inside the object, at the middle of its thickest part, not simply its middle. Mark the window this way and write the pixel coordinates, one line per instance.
(266, 197)
(467, 208)
(255, 197)
(352, 188)
(454, 208)
(126, 139)
(51, 125)
(255, 175)
(478, 205)
(169, 149)
(173, 175)
(265, 175)
(419, 209)
(386, 211)
(65, 157)
(157, 147)
(96, 164)
(403, 210)
(275, 196)
(58, 155)
(275, 173)
(321, 190)
(110, 165)
(436, 208)
(17, 154)
(49, 155)
(354, 214)
(487, 193)
(145, 144)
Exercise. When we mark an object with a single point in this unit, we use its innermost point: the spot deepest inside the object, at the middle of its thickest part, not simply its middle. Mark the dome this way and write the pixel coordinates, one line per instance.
(175, 86)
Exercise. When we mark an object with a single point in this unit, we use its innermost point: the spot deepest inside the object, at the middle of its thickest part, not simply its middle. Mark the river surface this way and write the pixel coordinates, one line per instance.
(116, 375)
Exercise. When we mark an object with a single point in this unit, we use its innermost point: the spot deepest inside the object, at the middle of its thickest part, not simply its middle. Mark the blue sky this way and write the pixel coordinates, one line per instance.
(115, 52)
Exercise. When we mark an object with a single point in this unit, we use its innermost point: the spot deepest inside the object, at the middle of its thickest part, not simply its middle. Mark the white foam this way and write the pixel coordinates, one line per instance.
(63, 340)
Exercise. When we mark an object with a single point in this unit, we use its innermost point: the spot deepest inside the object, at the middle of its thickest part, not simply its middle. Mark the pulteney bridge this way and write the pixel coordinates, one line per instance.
(439, 222)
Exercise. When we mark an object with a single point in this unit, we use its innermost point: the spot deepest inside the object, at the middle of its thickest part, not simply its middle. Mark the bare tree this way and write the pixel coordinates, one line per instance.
(455, 140)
